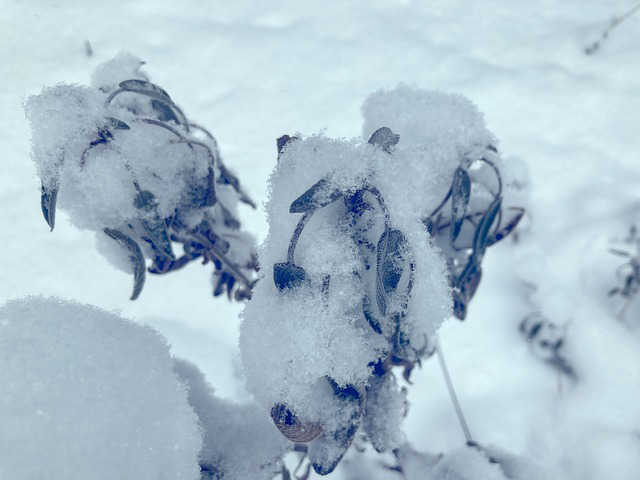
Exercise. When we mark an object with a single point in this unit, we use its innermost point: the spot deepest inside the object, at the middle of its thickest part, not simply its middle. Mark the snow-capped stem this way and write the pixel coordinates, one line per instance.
(452, 393)
(296, 235)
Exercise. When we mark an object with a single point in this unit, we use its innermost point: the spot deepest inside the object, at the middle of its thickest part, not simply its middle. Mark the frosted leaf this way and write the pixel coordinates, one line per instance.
(240, 441)
(87, 394)
(463, 195)
(326, 452)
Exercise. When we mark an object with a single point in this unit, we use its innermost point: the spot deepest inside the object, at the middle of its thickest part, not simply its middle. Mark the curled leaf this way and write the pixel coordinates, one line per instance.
(135, 257)
(384, 138)
(319, 195)
(146, 88)
(481, 235)
(460, 193)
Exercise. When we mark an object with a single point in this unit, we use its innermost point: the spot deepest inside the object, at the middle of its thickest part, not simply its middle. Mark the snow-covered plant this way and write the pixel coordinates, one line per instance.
(356, 278)
(123, 159)
(372, 244)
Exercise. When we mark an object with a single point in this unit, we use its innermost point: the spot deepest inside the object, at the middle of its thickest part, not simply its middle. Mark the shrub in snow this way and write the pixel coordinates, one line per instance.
(354, 278)
(122, 158)
(86, 394)
(368, 242)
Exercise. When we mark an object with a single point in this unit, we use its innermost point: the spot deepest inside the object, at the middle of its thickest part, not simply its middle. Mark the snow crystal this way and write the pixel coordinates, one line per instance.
(240, 441)
(87, 394)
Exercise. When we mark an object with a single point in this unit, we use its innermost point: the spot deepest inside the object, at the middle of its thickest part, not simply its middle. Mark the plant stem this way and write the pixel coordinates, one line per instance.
(452, 393)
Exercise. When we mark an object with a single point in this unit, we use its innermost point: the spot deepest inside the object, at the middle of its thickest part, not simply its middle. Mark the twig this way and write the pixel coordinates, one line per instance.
(595, 46)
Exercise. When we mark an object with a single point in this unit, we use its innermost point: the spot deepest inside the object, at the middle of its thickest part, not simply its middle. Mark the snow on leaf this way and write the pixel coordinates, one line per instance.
(153, 224)
(319, 195)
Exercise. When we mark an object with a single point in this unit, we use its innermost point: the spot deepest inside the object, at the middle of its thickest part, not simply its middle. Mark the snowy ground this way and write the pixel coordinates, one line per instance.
(253, 71)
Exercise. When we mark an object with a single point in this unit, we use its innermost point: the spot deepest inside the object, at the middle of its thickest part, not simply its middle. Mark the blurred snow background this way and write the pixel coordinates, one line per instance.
(252, 71)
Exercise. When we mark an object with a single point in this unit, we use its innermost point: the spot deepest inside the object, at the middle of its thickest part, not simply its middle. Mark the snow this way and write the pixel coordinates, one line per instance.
(88, 394)
(239, 440)
(252, 72)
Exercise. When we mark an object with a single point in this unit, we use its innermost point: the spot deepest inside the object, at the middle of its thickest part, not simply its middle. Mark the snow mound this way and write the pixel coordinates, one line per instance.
(87, 394)
(240, 441)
